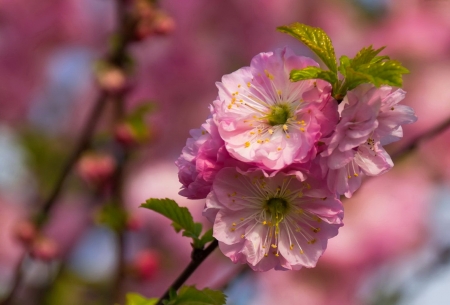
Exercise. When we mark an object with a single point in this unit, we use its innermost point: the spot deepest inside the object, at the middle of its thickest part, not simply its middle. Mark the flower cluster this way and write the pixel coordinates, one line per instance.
(275, 155)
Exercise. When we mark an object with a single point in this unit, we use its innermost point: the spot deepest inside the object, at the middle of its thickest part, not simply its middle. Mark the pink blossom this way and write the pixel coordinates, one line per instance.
(272, 222)
(369, 158)
(202, 157)
(263, 117)
(370, 117)
(392, 116)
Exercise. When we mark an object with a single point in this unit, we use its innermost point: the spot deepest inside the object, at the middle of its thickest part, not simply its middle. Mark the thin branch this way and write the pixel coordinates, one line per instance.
(420, 138)
(198, 256)
(122, 157)
(80, 146)
(116, 56)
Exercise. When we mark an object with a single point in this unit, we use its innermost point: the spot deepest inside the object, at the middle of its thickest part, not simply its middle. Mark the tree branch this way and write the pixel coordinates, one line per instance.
(198, 256)
(420, 138)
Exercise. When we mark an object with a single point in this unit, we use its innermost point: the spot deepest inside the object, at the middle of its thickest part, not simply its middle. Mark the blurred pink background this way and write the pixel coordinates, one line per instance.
(391, 249)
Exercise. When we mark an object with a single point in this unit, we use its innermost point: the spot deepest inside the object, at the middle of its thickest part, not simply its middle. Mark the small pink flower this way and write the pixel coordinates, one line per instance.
(370, 159)
(266, 119)
(392, 116)
(370, 118)
(272, 222)
(202, 157)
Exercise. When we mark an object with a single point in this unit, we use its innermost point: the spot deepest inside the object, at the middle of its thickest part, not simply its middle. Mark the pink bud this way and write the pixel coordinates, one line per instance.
(112, 80)
(134, 223)
(146, 264)
(96, 168)
(25, 231)
(44, 249)
(125, 134)
(164, 25)
(144, 9)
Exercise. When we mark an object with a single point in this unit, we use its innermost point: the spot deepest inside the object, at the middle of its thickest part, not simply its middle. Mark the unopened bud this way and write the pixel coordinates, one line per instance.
(25, 232)
(44, 249)
(146, 264)
(163, 25)
(143, 29)
(126, 135)
(112, 79)
(96, 168)
(134, 223)
(143, 9)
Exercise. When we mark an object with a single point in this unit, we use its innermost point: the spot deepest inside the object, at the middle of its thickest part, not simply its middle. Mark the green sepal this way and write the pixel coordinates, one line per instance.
(189, 295)
(316, 39)
(313, 73)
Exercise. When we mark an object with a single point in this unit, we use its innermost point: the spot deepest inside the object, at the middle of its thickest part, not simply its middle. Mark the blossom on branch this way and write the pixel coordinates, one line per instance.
(276, 154)
(370, 118)
(263, 117)
(272, 222)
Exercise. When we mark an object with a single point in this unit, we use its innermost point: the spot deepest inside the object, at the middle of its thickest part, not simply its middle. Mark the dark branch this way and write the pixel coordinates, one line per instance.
(198, 256)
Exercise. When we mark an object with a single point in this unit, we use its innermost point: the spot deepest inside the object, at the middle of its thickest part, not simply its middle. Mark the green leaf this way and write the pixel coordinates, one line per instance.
(385, 73)
(207, 237)
(368, 67)
(313, 73)
(137, 299)
(181, 216)
(366, 56)
(344, 64)
(355, 78)
(177, 227)
(189, 295)
(195, 233)
(315, 39)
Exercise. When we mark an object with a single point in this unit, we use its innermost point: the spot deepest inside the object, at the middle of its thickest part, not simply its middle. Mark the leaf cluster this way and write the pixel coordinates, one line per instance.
(182, 220)
(188, 295)
(365, 67)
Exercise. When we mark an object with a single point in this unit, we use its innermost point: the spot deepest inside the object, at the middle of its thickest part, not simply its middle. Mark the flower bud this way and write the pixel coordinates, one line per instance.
(146, 264)
(96, 168)
(163, 25)
(25, 231)
(125, 135)
(112, 79)
(134, 223)
(44, 249)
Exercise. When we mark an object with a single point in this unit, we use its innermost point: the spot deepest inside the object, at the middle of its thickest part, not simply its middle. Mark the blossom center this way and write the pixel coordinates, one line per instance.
(279, 114)
(277, 207)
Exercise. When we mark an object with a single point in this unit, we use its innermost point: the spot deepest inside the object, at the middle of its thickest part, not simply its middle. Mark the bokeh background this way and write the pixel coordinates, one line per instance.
(395, 245)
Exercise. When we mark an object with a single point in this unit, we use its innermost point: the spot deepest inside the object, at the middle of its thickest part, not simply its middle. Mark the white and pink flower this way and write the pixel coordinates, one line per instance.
(272, 222)
(370, 118)
(275, 155)
(263, 117)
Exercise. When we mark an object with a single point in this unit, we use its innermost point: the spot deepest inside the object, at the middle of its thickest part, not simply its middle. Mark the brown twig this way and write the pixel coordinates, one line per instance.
(117, 57)
(198, 256)
(420, 138)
